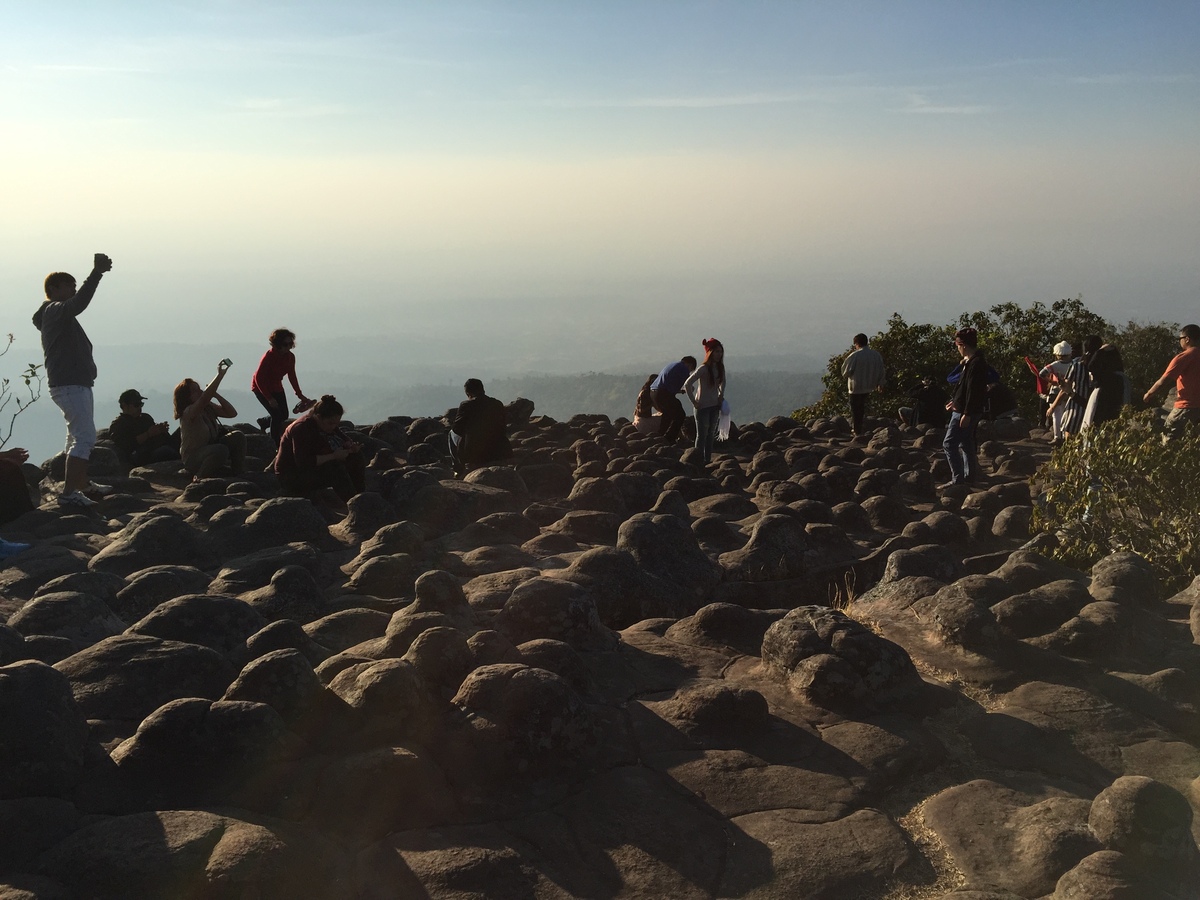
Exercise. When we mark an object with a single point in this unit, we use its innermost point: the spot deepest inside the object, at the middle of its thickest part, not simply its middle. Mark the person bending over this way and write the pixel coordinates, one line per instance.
(315, 453)
(267, 382)
(205, 445)
(664, 390)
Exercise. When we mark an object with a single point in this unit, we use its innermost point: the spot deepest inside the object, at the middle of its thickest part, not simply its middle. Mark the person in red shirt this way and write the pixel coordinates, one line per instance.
(267, 382)
(1184, 369)
(315, 453)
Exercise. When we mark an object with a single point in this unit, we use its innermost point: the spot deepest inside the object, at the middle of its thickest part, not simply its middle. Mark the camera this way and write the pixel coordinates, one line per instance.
(227, 362)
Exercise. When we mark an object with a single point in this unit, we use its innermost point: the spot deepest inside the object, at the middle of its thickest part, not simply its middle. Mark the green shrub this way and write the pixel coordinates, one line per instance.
(1125, 490)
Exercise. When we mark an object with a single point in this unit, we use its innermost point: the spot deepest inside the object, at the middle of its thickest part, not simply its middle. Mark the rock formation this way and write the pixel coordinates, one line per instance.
(603, 671)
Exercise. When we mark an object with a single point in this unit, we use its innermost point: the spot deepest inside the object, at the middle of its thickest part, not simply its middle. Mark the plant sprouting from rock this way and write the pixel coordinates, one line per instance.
(23, 392)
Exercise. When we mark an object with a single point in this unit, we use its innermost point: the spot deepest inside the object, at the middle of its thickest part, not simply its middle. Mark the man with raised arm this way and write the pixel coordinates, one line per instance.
(71, 373)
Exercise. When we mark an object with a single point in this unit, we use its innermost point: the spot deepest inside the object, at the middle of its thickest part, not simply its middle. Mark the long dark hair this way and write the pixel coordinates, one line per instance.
(182, 397)
(714, 370)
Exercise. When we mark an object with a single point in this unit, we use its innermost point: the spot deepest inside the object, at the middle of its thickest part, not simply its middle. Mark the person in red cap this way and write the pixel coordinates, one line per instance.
(966, 406)
(709, 380)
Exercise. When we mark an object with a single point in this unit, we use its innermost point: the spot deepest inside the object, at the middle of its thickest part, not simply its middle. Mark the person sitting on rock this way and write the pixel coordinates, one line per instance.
(138, 438)
(929, 405)
(1001, 402)
(478, 434)
(645, 418)
(315, 453)
(267, 382)
(14, 489)
(205, 445)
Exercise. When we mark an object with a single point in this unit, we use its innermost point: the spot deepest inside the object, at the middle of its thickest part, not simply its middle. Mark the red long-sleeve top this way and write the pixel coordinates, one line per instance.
(268, 377)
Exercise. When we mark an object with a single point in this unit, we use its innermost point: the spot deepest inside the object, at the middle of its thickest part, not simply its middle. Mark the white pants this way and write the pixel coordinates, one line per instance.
(75, 401)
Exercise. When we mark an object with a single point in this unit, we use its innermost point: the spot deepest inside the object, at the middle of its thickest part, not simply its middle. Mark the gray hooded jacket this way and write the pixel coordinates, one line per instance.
(64, 342)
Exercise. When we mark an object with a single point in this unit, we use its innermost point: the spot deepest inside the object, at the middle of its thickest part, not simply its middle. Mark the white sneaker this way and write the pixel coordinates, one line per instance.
(78, 499)
(102, 490)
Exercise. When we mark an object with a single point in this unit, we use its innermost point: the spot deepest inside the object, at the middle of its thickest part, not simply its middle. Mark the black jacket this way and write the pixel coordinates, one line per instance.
(481, 422)
(971, 393)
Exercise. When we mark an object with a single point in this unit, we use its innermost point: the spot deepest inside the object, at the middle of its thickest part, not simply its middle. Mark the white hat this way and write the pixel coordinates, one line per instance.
(1062, 348)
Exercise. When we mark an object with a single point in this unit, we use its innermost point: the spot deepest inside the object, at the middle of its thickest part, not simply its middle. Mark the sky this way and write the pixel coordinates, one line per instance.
(591, 185)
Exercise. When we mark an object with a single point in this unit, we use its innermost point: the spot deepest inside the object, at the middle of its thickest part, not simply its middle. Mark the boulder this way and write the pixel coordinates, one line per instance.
(148, 588)
(832, 660)
(44, 740)
(531, 713)
(192, 853)
(557, 609)
(128, 676)
(366, 513)
(81, 618)
(154, 538)
(195, 752)
(776, 550)
(292, 594)
(210, 620)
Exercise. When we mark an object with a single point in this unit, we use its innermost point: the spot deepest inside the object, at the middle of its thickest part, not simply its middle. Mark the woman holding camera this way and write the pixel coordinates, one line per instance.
(205, 446)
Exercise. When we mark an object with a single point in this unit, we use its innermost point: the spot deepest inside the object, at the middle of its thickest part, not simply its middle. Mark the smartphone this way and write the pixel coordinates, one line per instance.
(227, 363)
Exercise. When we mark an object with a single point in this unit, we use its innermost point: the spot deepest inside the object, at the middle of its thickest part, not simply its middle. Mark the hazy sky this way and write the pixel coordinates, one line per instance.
(562, 174)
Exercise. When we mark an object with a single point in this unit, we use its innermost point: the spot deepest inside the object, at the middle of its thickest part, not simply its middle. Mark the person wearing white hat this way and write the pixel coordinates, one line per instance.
(1052, 375)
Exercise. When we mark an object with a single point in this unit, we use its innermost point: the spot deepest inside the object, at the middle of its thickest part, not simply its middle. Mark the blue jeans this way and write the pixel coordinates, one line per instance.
(707, 419)
(960, 449)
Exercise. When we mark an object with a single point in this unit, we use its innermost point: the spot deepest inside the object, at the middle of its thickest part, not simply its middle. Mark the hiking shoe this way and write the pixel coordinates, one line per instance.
(77, 499)
(100, 490)
(12, 548)
(264, 423)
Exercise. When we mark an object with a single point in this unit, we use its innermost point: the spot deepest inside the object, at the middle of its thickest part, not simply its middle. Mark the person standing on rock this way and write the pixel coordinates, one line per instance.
(71, 373)
(267, 382)
(709, 381)
(966, 406)
(864, 372)
(664, 390)
(1185, 370)
(479, 430)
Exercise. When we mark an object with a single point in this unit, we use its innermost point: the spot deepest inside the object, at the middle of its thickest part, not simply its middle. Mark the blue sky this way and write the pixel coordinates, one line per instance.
(550, 173)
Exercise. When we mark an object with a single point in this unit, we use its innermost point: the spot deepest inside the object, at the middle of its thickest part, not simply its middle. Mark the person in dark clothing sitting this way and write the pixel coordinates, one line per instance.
(315, 453)
(479, 430)
(138, 438)
(929, 405)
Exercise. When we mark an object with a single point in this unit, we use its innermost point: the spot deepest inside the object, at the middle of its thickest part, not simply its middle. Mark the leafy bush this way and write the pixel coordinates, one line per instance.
(1123, 489)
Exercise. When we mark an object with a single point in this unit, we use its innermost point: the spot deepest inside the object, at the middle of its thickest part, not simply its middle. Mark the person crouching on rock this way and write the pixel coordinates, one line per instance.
(315, 453)
(205, 445)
